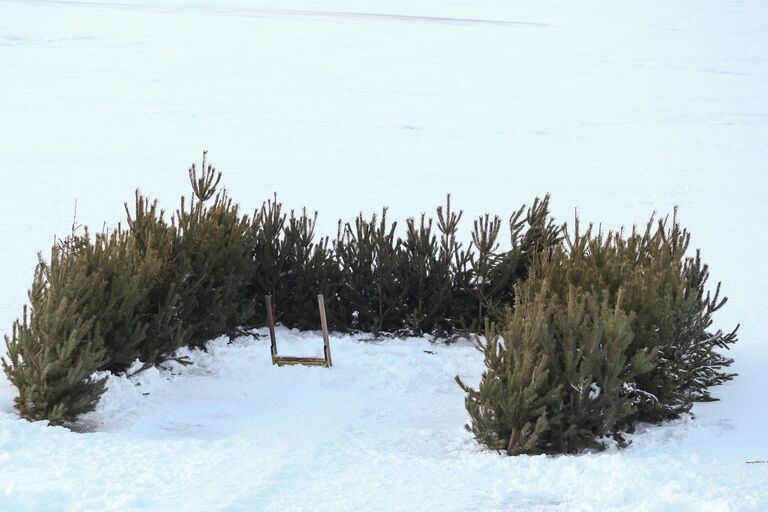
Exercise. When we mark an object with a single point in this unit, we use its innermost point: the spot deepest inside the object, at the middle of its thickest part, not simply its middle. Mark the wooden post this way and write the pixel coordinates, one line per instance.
(324, 326)
(271, 325)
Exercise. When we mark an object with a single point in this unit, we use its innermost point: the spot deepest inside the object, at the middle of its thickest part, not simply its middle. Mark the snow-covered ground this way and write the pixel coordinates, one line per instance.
(617, 109)
(382, 430)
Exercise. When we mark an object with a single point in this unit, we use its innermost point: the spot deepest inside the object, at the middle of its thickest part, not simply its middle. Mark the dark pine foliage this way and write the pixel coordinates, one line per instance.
(215, 252)
(56, 346)
(607, 330)
(587, 333)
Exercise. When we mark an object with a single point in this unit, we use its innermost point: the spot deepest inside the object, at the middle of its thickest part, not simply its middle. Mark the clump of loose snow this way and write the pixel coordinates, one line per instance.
(594, 391)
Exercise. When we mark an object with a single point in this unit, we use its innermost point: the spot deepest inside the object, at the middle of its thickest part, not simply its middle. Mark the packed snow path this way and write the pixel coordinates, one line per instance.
(616, 109)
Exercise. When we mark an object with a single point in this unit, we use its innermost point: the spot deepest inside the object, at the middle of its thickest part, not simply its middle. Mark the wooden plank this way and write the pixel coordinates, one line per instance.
(306, 361)
(324, 326)
(271, 325)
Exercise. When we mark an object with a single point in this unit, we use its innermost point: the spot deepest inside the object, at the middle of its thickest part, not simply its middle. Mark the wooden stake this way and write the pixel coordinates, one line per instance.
(324, 326)
(271, 325)
(512, 439)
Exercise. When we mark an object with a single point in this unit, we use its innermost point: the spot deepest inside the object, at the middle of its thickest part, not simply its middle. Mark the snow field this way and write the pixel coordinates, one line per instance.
(616, 109)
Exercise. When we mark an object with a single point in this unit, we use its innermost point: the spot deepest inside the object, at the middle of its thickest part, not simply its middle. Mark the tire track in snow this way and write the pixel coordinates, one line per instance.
(285, 13)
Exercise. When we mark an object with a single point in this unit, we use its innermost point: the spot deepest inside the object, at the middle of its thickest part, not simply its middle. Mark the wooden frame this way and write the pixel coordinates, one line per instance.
(290, 360)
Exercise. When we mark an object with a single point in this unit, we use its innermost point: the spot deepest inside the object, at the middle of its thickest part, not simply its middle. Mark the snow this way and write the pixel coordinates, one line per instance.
(616, 109)
(594, 391)
(381, 430)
